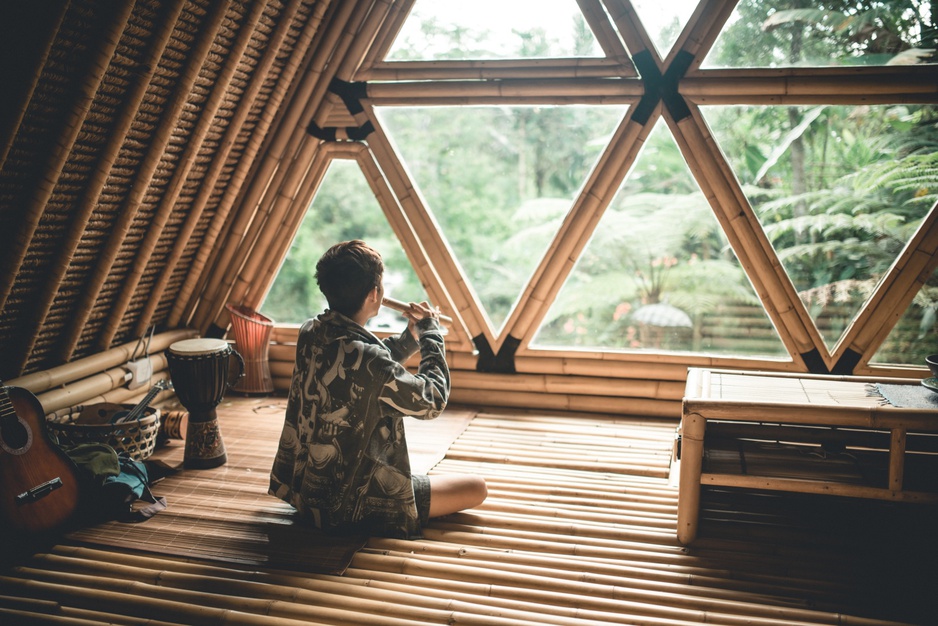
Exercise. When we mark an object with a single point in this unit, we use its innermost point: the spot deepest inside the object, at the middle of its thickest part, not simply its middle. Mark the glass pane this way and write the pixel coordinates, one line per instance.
(769, 33)
(916, 334)
(658, 273)
(499, 180)
(664, 21)
(839, 191)
(344, 208)
(494, 29)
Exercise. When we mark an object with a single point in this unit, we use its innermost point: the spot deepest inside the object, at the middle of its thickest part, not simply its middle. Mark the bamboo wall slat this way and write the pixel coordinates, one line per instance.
(147, 170)
(64, 142)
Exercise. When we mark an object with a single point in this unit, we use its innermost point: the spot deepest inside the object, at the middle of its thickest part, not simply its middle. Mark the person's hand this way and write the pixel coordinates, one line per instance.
(417, 312)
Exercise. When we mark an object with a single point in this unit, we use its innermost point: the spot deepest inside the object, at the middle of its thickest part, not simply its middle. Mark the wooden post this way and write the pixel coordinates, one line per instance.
(693, 426)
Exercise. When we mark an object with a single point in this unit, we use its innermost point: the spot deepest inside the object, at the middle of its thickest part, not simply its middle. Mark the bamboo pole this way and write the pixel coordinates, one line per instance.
(92, 192)
(248, 277)
(207, 186)
(47, 178)
(185, 301)
(508, 90)
(575, 231)
(631, 28)
(263, 237)
(754, 252)
(250, 176)
(606, 36)
(397, 15)
(291, 139)
(146, 172)
(904, 279)
(54, 19)
(256, 290)
(453, 69)
(706, 23)
(466, 303)
(413, 248)
(186, 161)
(39, 382)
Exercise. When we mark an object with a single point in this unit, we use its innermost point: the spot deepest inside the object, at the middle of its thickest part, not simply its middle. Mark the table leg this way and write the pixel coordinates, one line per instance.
(688, 499)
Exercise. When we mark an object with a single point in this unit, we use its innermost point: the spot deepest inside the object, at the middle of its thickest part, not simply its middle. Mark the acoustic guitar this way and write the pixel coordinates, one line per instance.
(39, 489)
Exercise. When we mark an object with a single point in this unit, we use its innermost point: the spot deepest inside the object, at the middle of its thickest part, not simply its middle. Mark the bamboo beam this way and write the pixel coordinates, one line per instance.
(508, 90)
(207, 186)
(53, 19)
(291, 139)
(398, 14)
(48, 176)
(187, 160)
(265, 237)
(466, 303)
(39, 382)
(753, 250)
(904, 279)
(195, 280)
(147, 170)
(539, 68)
(256, 291)
(606, 36)
(414, 249)
(631, 28)
(89, 199)
(704, 26)
(574, 233)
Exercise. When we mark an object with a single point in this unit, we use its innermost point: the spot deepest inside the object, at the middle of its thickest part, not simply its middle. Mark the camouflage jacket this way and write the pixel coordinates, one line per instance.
(342, 459)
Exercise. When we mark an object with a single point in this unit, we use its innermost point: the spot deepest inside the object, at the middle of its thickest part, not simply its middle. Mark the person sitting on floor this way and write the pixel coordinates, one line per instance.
(342, 460)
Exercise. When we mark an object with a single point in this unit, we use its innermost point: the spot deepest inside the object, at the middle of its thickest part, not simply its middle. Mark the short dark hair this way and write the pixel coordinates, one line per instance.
(347, 273)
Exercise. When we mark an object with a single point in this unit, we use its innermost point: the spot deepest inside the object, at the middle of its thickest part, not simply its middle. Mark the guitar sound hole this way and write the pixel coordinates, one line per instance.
(15, 435)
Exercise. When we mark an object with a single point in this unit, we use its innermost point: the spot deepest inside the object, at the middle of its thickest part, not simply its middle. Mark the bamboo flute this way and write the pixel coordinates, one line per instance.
(403, 307)
(181, 173)
(64, 143)
(130, 106)
(277, 154)
(22, 103)
(146, 172)
(219, 227)
(207, 186)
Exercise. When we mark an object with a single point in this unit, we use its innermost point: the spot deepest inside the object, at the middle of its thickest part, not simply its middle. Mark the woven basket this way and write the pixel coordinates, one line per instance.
(91, 424)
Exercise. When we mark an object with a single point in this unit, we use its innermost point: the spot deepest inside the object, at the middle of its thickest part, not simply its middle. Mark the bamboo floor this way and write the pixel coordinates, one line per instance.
(578, 529)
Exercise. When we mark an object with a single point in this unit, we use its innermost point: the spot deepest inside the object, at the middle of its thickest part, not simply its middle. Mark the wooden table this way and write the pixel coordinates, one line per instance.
(800, 433)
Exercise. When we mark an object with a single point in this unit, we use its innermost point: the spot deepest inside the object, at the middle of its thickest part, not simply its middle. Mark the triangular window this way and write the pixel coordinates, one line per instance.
(658, 273)
(344, 208)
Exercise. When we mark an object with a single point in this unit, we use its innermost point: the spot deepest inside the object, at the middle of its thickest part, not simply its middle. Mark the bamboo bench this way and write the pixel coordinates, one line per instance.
(799, 433)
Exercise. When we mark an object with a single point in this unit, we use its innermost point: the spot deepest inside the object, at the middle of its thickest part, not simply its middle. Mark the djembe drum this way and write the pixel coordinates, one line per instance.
(200, 370)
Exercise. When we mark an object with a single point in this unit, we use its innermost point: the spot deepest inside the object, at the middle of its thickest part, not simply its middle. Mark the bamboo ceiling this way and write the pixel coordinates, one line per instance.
(158, 156)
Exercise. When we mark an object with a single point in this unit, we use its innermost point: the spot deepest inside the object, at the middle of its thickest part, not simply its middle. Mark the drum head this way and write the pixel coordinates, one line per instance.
(199, 345)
